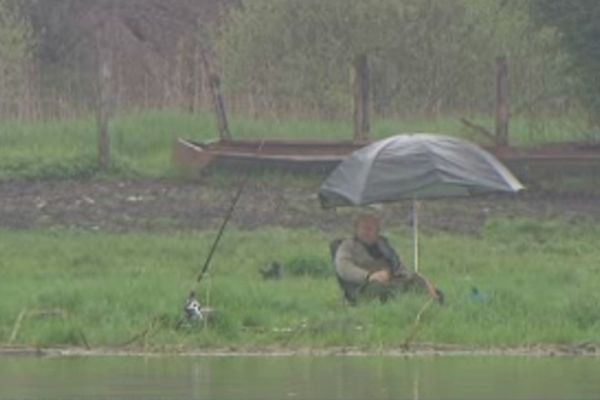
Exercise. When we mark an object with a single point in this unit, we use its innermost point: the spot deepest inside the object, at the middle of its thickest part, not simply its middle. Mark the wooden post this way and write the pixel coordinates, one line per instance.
(502, 106)
(360, 86)
(103, 106)
(214, 86)
(194, 79)
(217, 98)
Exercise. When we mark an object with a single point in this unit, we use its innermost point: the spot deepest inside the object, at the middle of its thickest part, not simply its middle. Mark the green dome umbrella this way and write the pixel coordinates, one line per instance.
(415, 166)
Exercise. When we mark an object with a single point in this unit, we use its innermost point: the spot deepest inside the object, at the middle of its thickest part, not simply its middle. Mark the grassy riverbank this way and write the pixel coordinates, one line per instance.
(538, 282)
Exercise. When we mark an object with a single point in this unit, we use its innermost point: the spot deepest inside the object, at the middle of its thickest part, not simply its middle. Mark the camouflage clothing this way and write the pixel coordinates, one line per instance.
(355, 261)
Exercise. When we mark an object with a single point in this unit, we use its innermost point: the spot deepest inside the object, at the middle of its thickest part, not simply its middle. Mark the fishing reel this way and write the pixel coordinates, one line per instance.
(193, 309)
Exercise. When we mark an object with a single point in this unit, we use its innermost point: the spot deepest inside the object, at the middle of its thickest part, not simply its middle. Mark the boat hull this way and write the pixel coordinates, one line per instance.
(272, 154)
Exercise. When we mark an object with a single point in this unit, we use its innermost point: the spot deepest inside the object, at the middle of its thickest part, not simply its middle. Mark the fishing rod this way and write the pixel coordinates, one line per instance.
(193, 310)
(221, 230)
(237, 196)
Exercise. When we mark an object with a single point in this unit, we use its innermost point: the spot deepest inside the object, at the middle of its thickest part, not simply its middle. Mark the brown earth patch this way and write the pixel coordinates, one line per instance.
(167, 205)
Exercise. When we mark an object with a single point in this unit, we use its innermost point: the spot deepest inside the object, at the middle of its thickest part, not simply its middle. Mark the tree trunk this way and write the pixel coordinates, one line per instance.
(361, 98)
(502, 105)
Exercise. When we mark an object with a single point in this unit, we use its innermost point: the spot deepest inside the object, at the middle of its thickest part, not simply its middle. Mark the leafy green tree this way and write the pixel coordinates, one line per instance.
(577, 22)
(426, 56)
(16, 42)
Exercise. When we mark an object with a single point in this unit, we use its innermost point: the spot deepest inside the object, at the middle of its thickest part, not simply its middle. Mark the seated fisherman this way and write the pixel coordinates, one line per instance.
(367, 264)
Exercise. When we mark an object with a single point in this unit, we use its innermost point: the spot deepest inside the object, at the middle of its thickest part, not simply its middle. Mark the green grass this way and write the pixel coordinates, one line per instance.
(540, 283)
(142, 142)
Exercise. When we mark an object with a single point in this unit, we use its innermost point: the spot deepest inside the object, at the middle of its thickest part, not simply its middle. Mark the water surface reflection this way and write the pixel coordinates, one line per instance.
(299, 377)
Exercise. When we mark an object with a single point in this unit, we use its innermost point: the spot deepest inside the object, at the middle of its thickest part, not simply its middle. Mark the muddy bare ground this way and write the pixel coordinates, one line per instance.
(168, 205)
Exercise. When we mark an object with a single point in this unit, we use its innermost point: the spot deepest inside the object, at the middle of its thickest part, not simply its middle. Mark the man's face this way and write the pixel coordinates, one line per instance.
(367, 230)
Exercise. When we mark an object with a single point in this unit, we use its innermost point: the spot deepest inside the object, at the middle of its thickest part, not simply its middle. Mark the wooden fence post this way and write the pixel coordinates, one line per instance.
(104, 100)
(214, 86)
(360, 88)
(502, 104)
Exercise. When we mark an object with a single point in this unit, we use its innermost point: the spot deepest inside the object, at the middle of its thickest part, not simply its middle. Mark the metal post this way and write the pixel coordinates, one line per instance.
(416, 233)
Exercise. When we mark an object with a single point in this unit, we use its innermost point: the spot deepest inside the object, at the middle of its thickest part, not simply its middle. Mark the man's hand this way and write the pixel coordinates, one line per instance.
(381, 276)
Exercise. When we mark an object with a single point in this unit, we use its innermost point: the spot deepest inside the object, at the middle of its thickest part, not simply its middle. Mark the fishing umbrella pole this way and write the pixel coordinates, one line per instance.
(415, 221)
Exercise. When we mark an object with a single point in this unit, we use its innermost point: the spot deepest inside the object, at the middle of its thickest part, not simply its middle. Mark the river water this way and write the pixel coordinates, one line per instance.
(299, 377)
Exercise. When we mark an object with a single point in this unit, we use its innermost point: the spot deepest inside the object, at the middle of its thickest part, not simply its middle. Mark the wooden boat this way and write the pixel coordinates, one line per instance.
(323, 156)
(298, 155)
